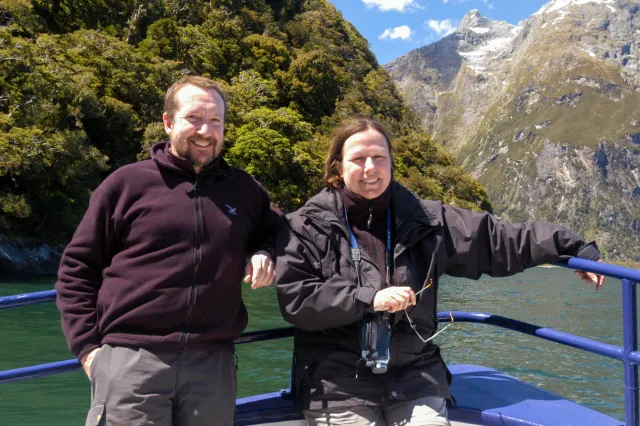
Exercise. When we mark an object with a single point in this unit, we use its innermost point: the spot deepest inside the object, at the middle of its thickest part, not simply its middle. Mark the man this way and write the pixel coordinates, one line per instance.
(148, 287)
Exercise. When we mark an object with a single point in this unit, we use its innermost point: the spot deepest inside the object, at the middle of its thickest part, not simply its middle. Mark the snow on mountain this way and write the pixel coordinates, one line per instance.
(544, 114)
(557, 5)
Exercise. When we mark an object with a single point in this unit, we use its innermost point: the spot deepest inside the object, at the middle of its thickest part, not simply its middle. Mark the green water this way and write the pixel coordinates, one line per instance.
(549, 297)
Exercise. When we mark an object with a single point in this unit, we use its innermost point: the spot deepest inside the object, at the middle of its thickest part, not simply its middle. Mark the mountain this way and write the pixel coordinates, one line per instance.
(82, 86)
(545, 114)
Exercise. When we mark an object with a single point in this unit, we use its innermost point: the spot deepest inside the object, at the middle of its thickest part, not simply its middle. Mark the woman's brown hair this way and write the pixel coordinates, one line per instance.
(345, 130)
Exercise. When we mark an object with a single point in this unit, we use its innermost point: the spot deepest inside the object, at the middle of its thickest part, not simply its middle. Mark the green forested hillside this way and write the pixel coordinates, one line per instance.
(82, 85)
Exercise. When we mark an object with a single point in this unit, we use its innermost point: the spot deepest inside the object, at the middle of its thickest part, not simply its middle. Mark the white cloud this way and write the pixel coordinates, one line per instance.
(442, 28)
(486, 2)
(387, 5)
(403, 32)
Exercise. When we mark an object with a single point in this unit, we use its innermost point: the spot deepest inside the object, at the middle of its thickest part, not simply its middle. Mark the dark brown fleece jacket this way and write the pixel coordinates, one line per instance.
(158, 259)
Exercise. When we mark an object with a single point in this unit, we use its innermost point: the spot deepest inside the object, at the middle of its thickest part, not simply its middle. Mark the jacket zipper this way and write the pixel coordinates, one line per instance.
(197, 258)
(373, 243)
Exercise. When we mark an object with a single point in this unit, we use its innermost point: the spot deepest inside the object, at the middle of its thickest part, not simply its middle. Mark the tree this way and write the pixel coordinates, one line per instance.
(70, 15)
(265, 54)
(213, 48)
(162, 39)
(285, 121)
(114, 130)
(314, 83)
(269, 157)
(249, 90)
(382, 96)
(18, 17)
(44, 178)
(82, 86)
(153, 133)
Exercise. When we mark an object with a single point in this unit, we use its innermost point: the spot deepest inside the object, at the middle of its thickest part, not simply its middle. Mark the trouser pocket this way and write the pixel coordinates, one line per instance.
(96, 415)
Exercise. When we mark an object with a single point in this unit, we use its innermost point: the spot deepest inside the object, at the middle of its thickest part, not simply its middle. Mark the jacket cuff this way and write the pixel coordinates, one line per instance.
(589, 251)
(366, 295)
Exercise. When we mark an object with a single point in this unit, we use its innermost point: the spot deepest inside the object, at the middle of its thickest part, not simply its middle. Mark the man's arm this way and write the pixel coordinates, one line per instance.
(265, 231)
(260, 268)
(80, 276)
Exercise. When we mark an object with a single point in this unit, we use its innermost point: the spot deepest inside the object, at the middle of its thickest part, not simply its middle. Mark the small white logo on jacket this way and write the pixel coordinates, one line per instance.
(232, 210)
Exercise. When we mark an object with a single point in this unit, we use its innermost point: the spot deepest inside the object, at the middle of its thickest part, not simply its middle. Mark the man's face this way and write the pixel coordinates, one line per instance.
(366, 164)
(196, 130)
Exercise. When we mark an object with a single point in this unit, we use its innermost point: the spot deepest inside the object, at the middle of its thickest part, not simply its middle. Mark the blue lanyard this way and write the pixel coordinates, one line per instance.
(355, 249)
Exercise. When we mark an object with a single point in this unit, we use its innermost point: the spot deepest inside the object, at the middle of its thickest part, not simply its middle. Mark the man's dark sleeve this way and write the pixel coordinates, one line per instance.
(479, 243)
(80, 276)
(266, 230)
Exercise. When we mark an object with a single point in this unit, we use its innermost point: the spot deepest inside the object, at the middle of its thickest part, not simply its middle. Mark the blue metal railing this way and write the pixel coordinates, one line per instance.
(27, 299)
(628, 354)
(629, 277)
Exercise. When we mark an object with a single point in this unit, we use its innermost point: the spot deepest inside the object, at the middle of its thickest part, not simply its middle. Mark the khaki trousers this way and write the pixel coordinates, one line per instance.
(136, 387)
(429, 411)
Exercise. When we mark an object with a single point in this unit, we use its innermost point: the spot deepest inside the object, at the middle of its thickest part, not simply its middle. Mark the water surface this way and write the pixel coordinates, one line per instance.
(549, 297)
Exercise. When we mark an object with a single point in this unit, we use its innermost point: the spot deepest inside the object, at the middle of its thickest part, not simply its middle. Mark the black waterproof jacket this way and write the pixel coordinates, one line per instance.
(318, 291)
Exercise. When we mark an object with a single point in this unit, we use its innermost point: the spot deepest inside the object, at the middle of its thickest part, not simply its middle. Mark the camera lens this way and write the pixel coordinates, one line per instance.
(380, 368)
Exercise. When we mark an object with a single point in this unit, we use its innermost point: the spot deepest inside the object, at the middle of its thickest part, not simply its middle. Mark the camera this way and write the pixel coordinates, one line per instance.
(376, 338)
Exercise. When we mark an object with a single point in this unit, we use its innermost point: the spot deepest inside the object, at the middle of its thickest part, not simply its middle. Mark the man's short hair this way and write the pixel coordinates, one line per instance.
(170, 102)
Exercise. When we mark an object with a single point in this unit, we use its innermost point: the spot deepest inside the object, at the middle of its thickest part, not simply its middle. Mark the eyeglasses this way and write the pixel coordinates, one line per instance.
(413, 326)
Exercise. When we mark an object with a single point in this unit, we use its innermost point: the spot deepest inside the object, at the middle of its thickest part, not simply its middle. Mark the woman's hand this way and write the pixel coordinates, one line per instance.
(394, 299)
(591, 278)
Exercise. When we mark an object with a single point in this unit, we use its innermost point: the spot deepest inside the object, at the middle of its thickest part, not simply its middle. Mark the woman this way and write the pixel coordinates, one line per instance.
(361, 262)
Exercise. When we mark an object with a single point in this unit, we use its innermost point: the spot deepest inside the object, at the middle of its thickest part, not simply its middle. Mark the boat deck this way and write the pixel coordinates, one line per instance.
(483, 397)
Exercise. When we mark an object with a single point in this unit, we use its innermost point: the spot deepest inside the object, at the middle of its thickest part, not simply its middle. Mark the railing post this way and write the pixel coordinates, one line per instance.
(630, 330)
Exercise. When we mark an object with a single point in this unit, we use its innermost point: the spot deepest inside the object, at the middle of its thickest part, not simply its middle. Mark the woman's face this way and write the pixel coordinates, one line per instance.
(366, 164)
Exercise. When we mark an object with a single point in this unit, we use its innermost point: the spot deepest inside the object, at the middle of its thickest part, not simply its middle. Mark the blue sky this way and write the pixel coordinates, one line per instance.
(394, 27)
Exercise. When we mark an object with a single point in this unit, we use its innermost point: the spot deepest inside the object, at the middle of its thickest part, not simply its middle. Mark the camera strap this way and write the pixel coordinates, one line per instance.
(370, 335)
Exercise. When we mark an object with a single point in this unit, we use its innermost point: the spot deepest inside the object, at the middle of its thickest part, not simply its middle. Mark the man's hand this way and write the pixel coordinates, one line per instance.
(87, 360)
(260, 270)
(394, 299)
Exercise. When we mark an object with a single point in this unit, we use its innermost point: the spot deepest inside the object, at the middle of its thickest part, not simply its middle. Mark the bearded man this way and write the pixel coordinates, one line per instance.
(149, 286)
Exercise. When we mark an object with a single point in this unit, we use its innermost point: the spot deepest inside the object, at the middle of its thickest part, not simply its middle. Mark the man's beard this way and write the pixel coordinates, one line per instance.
(195, 163)
(193, 159)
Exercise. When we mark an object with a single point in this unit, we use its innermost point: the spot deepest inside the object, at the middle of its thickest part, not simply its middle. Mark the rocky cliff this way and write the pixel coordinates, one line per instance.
(546, 114)
(25, 258)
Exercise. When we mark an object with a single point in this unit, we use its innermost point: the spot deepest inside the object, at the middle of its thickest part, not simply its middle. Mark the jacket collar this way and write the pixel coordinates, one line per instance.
(162, 155)
(326, 207)
(409, 210)
(359, 208)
